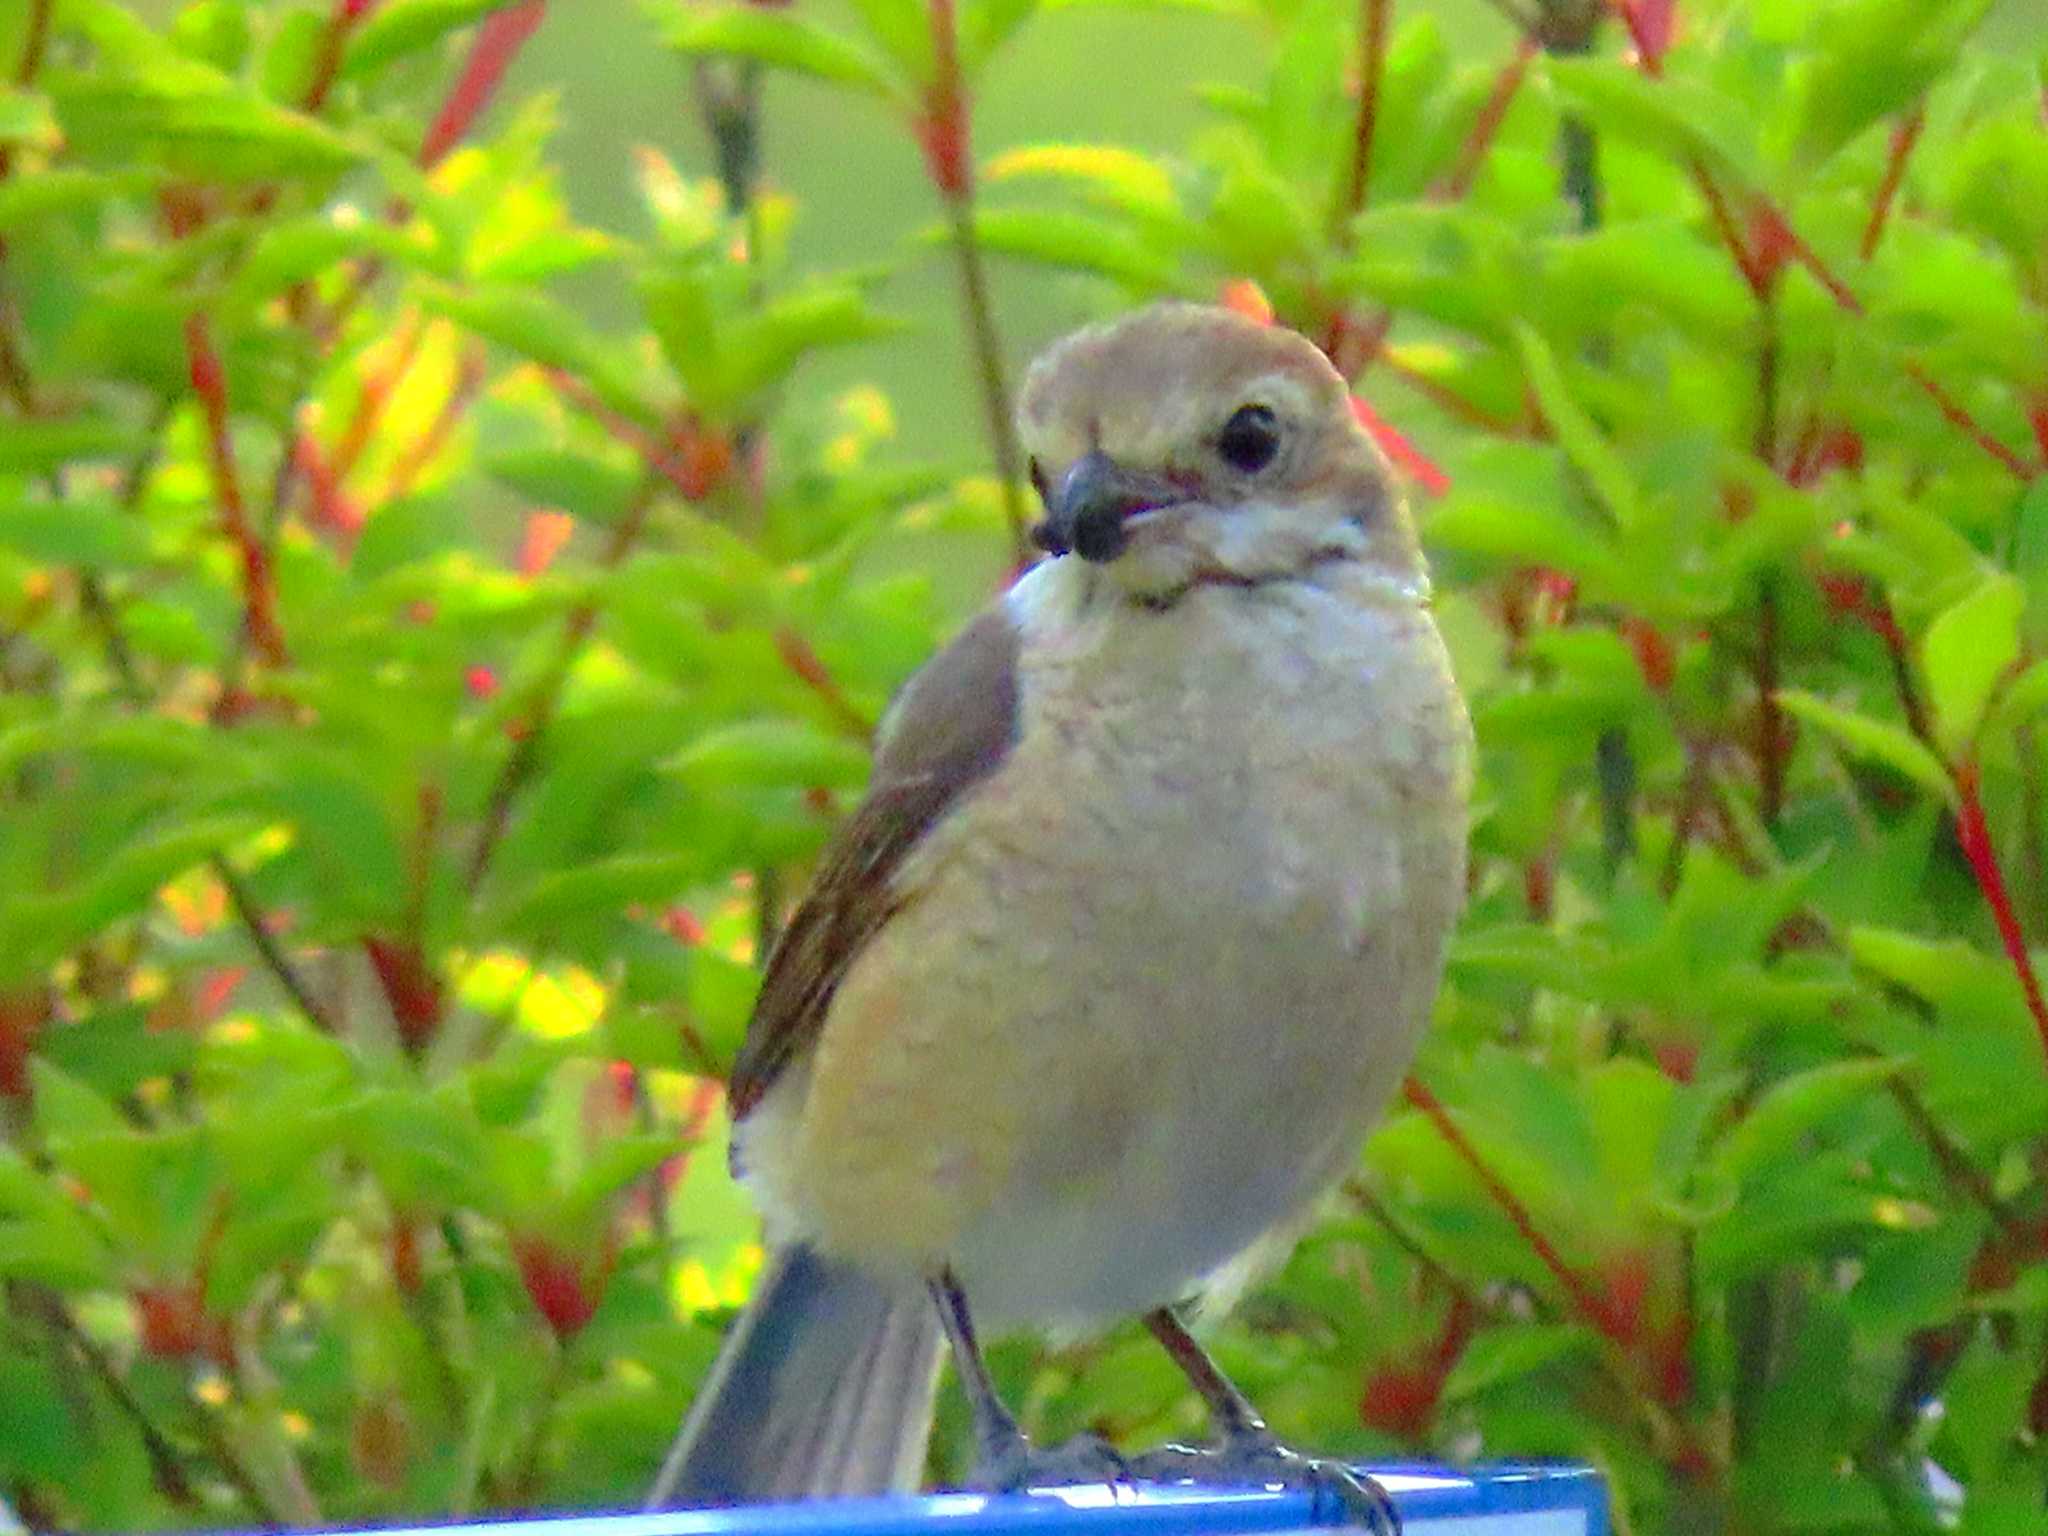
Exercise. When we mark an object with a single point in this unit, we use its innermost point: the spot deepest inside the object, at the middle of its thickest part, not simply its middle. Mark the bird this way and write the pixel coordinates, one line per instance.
(1137, 928)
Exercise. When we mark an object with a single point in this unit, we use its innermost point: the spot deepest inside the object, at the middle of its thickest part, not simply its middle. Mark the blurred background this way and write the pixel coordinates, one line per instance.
(457, 536)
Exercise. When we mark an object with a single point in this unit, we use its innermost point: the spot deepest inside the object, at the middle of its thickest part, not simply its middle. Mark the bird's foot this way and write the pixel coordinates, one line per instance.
(1015, 1465)
(1257, 1460)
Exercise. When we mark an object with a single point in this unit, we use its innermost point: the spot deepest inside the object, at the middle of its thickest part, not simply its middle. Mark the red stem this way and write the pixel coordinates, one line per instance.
(1731, 233)
(692, 481)
(1904, 137)
(1372, 61)
(1959, 417)
(1588, 1302)
(333, 43)
(1486, 126)
(331, 508)
(497, 44)
(1450, 401)
(943, 135)
(1759, 279)
(809, 668)
(259, 596)
(1974, 836)
(36, 44)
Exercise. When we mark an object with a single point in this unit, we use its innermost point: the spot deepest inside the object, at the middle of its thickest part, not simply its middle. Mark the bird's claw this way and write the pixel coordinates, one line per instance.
(1016, 1465)
(1335, 1490)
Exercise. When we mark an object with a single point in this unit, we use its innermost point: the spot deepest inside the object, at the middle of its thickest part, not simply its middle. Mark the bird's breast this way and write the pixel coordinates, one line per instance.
(1153, 979)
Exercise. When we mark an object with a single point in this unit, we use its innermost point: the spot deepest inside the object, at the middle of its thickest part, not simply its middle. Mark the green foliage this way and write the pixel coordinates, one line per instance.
(418, 702)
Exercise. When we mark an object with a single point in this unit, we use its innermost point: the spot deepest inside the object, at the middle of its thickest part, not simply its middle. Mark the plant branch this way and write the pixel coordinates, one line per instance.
(1486, 126)
(1362, 1195)
(1958, 416)
(343, 20)
(259, 592)
(36, 44)
(693, 478)
(273, 956)
(1372, 65)
(498, 42)
(1961, 1174)
(1904, 137)
(1587, 1302)
(944, 135)
(166, 1465)
(1760, 274)
(809, 668)
(1974, 836)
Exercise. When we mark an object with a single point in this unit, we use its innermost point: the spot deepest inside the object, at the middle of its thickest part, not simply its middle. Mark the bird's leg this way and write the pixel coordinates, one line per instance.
(1246, 1451)
(1005, 1461)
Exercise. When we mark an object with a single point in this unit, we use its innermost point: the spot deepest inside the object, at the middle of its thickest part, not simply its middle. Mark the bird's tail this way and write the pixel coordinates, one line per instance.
(823, 1389)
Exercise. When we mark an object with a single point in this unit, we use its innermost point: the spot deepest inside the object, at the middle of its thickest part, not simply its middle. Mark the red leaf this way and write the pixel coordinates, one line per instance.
(410, 986)
(1406, 455)
(565, 1298)
(546, 534)
(1400, 1402)
(1247, 298)
(1655, 658)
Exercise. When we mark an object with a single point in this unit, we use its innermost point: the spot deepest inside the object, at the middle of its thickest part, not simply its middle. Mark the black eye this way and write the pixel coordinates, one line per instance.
(1249, 439)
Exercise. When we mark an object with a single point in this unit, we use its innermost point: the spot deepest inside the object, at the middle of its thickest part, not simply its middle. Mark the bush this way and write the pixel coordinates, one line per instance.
(418, 707)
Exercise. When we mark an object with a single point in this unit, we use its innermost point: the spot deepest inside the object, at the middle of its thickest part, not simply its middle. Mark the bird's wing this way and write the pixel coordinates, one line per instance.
(949, 730)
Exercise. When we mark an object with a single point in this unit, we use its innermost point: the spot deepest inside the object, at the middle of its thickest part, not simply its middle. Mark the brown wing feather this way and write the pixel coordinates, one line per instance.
(951, 728)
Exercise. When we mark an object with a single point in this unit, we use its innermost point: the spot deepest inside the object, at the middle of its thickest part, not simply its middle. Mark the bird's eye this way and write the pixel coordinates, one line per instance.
(1250, 438)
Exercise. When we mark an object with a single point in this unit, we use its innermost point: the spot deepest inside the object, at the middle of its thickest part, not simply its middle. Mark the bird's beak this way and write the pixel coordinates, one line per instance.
(1094, 500)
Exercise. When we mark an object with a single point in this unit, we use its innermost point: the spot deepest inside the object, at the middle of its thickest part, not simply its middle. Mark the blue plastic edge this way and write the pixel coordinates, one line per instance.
(1420, 1492)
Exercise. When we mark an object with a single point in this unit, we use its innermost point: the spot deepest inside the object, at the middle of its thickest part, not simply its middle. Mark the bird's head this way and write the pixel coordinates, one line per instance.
(1187, 444)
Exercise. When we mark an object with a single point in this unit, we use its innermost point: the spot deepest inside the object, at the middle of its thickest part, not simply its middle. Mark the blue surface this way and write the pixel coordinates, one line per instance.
(1427, 1496)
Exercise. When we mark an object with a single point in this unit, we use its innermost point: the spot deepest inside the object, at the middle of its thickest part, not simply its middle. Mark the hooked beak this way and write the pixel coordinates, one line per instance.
(1088, 510)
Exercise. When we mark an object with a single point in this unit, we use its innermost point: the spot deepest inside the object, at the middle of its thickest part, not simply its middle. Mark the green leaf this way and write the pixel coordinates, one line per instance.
(1769, 1133)
(563, 897)
(1967, 650)
(1121, 178)
(902, 28)
(44, 1237)
(1075, 241)
(1584, 443)
(38, 447)
(1871, 59)
(541, 329)
(986, 26)
(35, 929)
(783, 752)
(1676, 119)
(785, 41)
(93, 534)
(399, 27)
(1508, 1354)
(26, 120)
(1864, 736)
(576, 482)
(192, 123)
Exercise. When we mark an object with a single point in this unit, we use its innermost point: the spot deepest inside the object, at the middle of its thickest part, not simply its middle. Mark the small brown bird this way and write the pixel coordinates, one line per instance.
(1135, 932)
